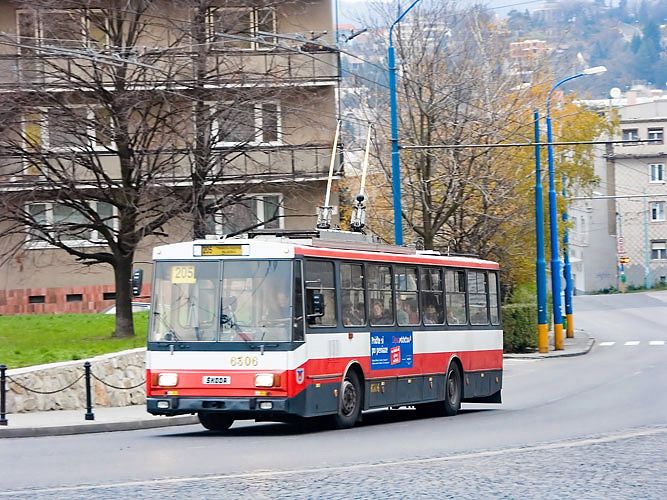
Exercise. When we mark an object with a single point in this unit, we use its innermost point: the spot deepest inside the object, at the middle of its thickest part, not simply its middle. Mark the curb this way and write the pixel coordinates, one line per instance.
(65, 430)
(554, 354)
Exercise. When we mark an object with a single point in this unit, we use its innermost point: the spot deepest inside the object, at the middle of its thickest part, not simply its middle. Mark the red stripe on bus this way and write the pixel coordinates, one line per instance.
(385, 257)
(317, 371)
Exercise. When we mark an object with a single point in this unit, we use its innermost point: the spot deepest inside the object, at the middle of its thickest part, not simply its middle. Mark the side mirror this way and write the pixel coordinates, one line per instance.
(137, 281)
(317, 305)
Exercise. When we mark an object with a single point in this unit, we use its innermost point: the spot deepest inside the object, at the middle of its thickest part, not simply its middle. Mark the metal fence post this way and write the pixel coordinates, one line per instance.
(3, 419)
(89, 404)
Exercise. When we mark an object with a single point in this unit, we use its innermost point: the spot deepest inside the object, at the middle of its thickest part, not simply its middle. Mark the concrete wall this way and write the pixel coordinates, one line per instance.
(123, 369)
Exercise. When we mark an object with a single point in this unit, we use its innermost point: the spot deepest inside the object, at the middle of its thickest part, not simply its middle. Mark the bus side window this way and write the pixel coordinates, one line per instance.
(353, 294)
(320, 291)
(379, 295)
(432, 300)
(298, 302)
(479, 312)
(493, 298)
(407, 305)
(455, 291)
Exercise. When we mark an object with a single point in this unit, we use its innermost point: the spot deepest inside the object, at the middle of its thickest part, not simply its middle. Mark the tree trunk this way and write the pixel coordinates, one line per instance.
(123, 276)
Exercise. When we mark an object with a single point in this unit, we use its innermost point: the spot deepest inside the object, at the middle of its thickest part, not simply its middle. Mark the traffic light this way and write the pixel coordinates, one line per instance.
(624, 260)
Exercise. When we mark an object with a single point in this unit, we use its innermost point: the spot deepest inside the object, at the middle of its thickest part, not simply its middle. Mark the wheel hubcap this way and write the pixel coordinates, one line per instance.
(349, 401)
(452, 388)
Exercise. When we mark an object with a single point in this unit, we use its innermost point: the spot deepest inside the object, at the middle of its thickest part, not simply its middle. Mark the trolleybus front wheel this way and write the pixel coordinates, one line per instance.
(349, 403)
(215, 421)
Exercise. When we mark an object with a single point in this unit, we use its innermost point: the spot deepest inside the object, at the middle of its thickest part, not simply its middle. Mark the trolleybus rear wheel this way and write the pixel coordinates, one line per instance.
(215, 421)
(452, 403)
(349, 403)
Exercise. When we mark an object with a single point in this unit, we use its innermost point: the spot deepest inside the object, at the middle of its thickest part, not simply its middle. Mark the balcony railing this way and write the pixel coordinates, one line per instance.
(250, 164)
(169, 68)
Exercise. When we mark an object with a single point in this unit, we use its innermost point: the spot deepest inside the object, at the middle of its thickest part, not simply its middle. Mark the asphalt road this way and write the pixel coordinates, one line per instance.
(592, 426)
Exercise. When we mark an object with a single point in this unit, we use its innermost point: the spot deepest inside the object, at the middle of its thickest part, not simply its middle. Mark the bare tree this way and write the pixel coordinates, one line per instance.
(125, 116)
(457, 87)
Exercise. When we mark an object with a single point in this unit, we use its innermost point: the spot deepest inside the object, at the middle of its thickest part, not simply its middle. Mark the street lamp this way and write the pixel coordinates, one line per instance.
(395, 159)
(553, 222)
(540, 264)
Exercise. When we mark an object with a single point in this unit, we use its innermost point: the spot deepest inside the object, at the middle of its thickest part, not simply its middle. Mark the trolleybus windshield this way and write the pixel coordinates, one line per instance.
(230, 301)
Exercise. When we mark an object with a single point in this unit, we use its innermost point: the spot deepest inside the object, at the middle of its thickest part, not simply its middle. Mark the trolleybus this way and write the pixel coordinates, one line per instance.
(273, 326)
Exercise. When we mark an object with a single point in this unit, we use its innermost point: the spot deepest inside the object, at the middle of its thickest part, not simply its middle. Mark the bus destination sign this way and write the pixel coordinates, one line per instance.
(218, 250)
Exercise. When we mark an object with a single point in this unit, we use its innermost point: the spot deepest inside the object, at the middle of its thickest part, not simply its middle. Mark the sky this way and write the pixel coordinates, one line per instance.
(349, 10)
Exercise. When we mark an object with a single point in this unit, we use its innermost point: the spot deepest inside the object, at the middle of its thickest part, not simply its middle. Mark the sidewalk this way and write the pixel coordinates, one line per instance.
(64, 422)
(577, 346)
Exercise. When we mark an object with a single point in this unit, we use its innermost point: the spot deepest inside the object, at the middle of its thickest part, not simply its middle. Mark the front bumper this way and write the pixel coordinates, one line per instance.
(255, 407)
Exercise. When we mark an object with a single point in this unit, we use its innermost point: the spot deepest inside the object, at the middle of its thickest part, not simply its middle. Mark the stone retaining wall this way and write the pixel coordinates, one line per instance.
(122, 369)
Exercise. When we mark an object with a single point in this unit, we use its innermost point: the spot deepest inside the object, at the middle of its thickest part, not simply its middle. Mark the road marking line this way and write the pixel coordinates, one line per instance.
(343, 468)
(632, 342)
(606, 344)
(656, 342)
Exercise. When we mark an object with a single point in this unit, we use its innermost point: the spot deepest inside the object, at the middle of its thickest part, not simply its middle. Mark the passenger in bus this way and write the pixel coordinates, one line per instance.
(432, 316)
(278, 310)
(452, 319)
(402, 315)
(378, 315)
(351, 316)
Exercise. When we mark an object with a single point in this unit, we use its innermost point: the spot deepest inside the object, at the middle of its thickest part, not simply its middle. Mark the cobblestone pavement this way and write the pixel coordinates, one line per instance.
(619, 466)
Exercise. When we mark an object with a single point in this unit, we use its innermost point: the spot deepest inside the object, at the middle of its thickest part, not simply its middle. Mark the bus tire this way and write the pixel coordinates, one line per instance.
(453, 385)
(349, 403)
(215, 421)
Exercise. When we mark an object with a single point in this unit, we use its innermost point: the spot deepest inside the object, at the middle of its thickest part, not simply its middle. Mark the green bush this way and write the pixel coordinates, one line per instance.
(520, 327)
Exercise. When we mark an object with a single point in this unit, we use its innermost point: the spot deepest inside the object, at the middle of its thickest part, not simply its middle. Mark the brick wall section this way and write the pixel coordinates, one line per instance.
(55, 299)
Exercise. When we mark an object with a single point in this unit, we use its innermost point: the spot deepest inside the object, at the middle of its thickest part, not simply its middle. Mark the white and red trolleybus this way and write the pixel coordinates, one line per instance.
(305, 324)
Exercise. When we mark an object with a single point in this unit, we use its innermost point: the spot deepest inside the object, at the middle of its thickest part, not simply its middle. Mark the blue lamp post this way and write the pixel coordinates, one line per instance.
(553, 218)
(395, 158)
(540, 263)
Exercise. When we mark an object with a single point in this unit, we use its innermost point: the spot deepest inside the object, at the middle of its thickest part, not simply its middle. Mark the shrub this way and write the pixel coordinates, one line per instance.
(520, 327)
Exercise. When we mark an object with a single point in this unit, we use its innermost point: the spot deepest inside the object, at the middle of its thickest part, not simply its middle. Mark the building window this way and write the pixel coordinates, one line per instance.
(655, 134)
(57, 220)
(241, 28)
(258, 211)
(67, 129)
(657, 172)
(630, 134)
(250, 123)
(658, 250)
(67, 28)
(657, 210)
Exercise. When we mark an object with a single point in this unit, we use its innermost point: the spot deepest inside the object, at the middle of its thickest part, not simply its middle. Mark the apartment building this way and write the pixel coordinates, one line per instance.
(641, 192)
(625, 216)
(234, 98)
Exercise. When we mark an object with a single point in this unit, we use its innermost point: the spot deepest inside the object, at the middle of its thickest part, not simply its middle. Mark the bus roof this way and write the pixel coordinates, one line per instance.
(321, 243)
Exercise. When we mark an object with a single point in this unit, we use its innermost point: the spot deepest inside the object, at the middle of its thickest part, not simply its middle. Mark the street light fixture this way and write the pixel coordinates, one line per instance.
(553, 222)
(395, 159)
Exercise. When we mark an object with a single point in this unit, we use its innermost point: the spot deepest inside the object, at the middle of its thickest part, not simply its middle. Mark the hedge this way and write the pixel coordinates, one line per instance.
(520, 327)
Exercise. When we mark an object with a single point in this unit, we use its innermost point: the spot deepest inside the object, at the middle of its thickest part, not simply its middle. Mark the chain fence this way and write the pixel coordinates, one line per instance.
(88, 376)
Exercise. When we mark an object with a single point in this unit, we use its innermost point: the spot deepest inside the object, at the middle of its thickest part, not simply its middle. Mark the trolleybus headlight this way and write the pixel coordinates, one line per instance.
(167, 379)
(264, 380)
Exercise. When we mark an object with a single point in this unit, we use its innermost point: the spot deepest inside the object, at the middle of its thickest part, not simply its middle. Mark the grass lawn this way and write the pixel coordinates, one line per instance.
(46, 338)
